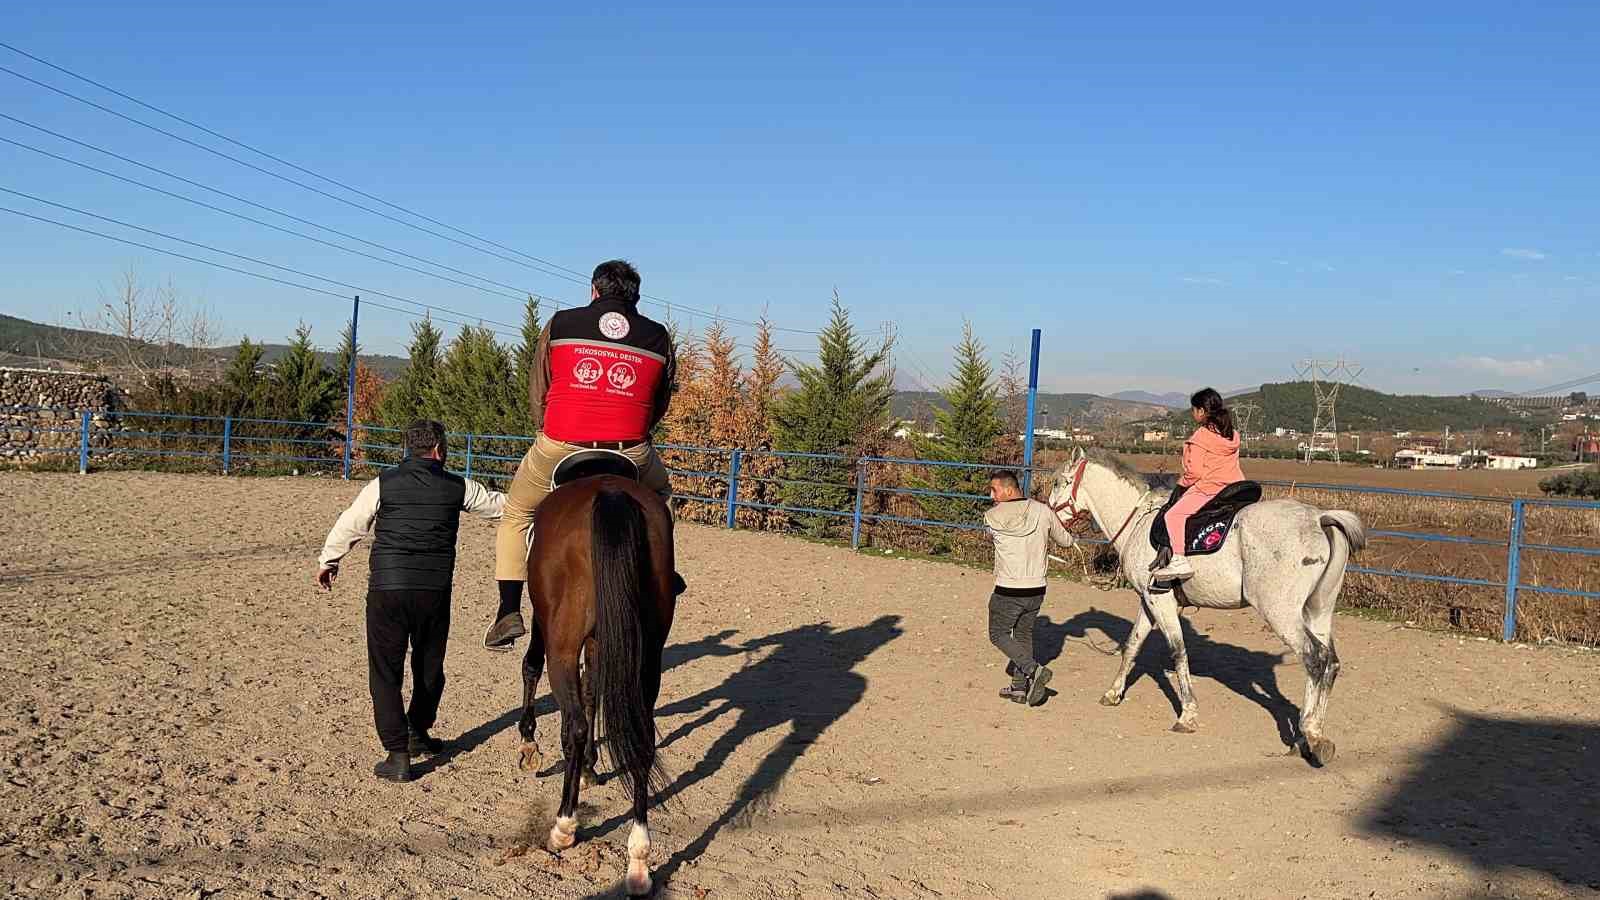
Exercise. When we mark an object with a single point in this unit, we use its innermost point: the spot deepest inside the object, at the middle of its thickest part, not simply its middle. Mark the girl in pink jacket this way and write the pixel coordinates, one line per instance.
(1210, 463)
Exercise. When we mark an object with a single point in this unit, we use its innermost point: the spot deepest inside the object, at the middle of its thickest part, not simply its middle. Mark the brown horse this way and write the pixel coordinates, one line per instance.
(600, 571)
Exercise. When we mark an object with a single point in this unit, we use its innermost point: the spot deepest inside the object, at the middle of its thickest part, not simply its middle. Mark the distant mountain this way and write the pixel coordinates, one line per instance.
(1291, 405)
(1493, 393)
(33, 343)
(1054, 410)
(1171, 400)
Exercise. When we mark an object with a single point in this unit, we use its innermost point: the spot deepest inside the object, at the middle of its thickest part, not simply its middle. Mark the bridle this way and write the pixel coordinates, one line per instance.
(1078, 517)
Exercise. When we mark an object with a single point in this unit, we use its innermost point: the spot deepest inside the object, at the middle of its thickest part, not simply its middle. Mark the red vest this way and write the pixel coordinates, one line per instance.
(607, 364)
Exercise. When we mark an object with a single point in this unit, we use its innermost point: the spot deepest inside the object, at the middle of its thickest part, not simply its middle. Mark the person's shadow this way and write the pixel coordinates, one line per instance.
(1251, 674)
(1503, 792)
(806, 683)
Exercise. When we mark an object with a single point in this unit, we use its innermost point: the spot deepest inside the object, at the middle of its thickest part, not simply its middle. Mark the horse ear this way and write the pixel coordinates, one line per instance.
(1078, 454)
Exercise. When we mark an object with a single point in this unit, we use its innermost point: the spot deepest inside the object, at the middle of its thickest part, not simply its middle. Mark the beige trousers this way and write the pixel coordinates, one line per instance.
(532, 483)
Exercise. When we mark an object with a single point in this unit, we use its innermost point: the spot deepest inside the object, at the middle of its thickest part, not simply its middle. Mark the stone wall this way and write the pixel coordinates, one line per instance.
(40, 411)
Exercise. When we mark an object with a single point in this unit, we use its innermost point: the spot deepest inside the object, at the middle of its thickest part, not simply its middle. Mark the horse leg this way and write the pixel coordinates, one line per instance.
(586, 683)
(1321, 663)
(532, 668)
(1164, 609)
(1130, 652)
(574, 743)
(638, 879)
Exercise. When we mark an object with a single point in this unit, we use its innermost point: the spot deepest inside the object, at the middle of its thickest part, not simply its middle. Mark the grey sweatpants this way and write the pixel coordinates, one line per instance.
(1011, 629)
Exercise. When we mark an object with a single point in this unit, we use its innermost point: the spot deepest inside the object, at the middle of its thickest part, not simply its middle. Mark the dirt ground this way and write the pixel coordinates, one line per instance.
(184, 716)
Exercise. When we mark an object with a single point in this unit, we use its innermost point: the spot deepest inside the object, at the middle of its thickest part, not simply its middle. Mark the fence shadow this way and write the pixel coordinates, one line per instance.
(1504, 792)
(806, 683)
(1251, 674)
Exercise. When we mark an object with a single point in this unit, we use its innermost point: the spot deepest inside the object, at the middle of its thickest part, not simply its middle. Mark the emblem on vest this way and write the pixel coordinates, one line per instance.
(587, 371)
(621, 375)
(614, 326)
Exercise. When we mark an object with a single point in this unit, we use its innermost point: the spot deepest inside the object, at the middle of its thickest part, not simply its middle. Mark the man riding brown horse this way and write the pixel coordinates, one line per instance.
(602, 377)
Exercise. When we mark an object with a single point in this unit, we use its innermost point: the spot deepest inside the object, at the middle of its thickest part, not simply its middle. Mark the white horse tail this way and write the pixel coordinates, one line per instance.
(1349, 523)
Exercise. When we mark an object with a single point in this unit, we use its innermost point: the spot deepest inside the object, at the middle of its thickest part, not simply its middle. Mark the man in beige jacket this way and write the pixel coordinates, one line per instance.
(1022, 530)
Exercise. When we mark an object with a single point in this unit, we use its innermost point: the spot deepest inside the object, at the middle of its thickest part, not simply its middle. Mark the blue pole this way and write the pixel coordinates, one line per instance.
(469, 454)
(1513, 571)
(83, 442)
(350, 390)
(861, 488)
(227, 443)
(733, 488)
(1033, 404)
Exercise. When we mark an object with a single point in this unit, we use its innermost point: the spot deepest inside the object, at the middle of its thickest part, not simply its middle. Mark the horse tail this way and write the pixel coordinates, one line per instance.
(625, 631)
(1346, 536)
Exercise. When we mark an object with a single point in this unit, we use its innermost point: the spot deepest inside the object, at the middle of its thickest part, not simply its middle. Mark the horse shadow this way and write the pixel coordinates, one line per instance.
(671, 656)
(1502, 792)
(804, 684)
(1252, 674)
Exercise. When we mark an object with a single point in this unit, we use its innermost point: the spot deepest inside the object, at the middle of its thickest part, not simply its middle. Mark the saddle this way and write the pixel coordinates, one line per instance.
(1208, 528)
(590, 463)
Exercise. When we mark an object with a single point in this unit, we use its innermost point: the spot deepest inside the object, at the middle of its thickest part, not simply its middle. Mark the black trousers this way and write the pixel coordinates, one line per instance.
(395, 619)
(1011, 628)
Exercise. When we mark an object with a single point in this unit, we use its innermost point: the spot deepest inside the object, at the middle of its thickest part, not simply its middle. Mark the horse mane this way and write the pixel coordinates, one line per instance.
(1141, 480)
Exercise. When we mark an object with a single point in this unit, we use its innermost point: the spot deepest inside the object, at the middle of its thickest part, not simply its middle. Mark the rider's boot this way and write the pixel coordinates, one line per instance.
(508, 624)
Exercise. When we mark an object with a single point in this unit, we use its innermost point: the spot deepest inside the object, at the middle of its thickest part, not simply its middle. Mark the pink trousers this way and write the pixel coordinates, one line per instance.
(1178, 516)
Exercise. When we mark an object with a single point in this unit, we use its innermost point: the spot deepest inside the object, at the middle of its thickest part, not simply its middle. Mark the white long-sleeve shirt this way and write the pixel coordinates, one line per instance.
(355, 522)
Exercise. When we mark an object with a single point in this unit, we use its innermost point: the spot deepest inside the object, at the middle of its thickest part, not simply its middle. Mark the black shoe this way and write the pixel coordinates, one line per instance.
(505, 631)
(1041, 677)
(421, 742)
(1016, 693)
(396, 768)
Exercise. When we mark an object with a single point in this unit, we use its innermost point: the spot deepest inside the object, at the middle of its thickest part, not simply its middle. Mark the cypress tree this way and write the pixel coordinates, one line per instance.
(965, 432)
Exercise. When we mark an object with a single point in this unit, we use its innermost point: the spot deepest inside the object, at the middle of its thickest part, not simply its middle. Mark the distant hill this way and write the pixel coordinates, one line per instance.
(1054, 409)
(1171, 400)
(39, 343)
(1290, 405)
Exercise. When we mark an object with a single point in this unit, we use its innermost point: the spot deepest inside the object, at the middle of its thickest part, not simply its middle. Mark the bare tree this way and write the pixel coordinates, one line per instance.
(149, 333)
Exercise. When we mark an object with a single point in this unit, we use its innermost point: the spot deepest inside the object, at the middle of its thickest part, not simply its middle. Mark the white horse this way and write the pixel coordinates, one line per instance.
(1283, 557)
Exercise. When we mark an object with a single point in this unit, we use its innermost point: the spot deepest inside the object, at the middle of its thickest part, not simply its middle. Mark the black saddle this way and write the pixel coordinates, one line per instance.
(1208, 528)
(589, 463)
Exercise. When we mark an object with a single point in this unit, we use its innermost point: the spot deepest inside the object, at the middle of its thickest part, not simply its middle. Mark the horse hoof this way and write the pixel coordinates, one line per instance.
(1182, 727)
(590, 778)
(1110, 698)
(638, 880)
(530, 759)
(563, 834)
(1321, 751)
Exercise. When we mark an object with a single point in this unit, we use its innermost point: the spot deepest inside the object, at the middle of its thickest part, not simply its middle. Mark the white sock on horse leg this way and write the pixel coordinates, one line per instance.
(638, 880)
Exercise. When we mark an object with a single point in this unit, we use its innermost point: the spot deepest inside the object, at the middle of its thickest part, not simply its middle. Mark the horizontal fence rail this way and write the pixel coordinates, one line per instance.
(834, 487)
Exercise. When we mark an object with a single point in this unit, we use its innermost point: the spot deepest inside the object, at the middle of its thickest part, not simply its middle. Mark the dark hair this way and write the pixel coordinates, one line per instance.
(1218, 417)
(423, 435)
(616, 279)
(1006, 476)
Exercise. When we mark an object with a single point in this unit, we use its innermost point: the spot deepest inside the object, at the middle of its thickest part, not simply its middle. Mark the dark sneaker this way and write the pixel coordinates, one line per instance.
(1016, 693)
(1041, 677)
(421, 742)
(396, 768)
(505, 631)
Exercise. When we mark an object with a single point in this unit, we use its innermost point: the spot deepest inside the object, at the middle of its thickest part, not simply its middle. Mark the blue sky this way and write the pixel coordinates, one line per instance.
(1177, 195)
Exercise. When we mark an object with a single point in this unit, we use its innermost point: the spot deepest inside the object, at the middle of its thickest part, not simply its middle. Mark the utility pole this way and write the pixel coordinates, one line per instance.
(1325, 378)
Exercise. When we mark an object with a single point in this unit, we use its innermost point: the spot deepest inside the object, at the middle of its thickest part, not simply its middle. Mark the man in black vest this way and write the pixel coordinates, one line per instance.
(413, 511)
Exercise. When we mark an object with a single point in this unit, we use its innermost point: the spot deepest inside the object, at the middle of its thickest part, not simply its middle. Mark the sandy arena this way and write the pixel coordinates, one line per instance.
(185, 716)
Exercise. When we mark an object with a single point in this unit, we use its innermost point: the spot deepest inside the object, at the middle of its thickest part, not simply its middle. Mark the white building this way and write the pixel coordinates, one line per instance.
(1511, 462)
(1424, 459)
(1155, 437)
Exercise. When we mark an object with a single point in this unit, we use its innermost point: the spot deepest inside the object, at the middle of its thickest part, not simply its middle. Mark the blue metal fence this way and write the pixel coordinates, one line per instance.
(493, 457)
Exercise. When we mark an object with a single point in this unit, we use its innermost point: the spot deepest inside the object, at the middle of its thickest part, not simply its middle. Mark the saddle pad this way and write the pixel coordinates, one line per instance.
(1208, 528)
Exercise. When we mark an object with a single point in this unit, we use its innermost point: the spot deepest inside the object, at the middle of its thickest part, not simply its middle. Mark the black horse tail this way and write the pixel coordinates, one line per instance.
(625, 629)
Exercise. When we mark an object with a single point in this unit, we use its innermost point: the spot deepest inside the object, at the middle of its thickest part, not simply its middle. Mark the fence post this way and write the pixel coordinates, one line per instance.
(733, 488)
(1513, 570)
(350, 389)
(83, 442)
(469, 454)
(1033, 404)
(861, 489)
(227, 443)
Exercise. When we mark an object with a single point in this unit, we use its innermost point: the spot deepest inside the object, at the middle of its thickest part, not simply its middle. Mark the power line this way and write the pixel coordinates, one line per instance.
(538, 264)
(207, 262)
(261, 206)
(259, 262)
